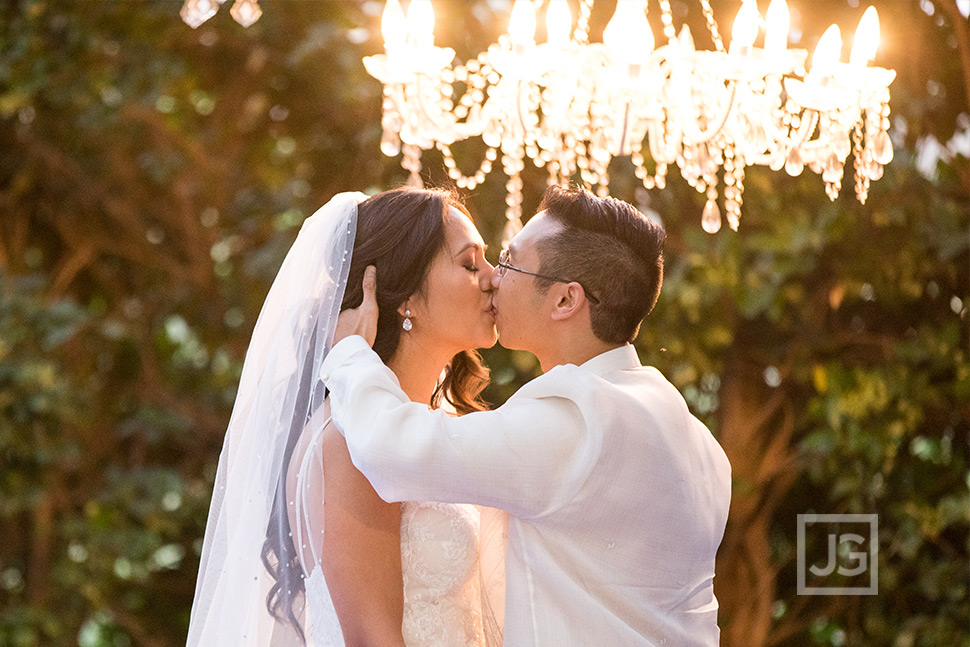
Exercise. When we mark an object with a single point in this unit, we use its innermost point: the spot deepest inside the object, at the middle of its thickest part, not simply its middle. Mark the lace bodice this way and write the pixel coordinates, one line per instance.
(439, 560)
(442, 591)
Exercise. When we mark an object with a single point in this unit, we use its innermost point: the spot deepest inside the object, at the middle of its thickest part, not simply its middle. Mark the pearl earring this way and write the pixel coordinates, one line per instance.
(407, 325)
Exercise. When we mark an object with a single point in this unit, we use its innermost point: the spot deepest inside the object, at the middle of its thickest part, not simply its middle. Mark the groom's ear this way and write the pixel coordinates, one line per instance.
(570, 299)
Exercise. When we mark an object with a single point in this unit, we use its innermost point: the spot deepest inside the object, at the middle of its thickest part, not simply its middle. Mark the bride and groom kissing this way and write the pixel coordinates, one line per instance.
(365, 494)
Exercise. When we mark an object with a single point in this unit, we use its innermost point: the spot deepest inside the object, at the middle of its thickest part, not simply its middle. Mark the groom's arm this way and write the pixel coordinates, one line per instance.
(527, 457)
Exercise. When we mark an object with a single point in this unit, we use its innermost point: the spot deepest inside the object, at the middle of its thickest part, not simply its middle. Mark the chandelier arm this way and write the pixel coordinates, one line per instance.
(805, 128)
(654, 140)
(520, 109)
(624, 128)
(702, 137)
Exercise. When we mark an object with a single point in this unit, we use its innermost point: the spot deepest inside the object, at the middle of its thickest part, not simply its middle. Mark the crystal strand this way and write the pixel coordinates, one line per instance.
(733, 206)
(860, 164)
(412, 162)
(467, 181)
(660, 177)
(513, 210)
(512, 164)
(712, 25)
(581, 35)
(667, 17)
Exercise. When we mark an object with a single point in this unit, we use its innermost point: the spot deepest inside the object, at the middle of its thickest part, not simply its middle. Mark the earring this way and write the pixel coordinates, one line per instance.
(407, 325)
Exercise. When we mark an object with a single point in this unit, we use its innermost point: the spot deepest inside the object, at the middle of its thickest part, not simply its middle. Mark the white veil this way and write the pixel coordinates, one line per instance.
(279, 390)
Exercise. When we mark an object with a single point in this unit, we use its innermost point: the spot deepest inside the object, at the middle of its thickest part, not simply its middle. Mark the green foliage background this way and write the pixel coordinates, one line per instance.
(152, 178)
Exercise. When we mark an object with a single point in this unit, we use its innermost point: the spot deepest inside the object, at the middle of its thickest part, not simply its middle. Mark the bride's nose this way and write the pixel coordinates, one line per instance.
(485, 277)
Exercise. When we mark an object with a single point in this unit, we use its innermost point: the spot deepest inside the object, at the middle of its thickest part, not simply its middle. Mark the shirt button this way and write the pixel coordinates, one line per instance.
(325, 377)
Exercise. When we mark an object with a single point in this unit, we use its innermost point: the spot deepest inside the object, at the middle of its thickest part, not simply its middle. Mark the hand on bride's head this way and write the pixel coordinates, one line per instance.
(361, 320)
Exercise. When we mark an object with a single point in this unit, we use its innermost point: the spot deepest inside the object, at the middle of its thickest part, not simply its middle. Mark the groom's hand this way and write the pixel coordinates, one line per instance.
(362, 320)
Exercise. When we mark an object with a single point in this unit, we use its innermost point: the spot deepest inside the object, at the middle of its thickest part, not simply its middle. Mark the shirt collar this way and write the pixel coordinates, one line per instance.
(617, 359)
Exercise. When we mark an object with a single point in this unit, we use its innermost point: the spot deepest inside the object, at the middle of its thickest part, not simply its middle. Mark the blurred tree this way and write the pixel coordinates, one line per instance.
(152, 178)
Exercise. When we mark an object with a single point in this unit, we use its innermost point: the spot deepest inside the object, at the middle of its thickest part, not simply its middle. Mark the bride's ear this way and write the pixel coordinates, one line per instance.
(402, 309)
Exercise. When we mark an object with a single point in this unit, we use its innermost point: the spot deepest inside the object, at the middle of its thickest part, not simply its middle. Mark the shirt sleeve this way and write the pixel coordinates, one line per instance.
(528, 457)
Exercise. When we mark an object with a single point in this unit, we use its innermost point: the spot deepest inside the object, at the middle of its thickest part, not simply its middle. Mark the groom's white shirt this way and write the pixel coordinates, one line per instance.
(617, 495)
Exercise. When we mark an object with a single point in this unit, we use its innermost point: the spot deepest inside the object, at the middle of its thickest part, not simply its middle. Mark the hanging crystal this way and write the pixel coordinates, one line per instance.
(883, 146)
(794, 164)
(196, 12)
(246, 12)
(711, 219)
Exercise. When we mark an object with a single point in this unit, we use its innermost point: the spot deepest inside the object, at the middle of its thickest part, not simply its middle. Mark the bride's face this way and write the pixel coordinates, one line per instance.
(453, 311)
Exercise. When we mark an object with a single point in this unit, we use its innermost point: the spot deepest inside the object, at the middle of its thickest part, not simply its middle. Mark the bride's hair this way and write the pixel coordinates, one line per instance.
(400, 232)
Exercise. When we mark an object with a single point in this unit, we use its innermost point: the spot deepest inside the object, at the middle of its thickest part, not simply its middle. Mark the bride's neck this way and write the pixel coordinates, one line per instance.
(417, 369)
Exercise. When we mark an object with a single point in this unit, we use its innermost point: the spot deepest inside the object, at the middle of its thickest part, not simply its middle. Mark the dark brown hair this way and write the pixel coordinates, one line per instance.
(400, 232)
(612, 249)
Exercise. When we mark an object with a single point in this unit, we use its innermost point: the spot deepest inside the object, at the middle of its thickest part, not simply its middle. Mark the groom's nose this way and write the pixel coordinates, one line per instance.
(494, 279)
(485, 277)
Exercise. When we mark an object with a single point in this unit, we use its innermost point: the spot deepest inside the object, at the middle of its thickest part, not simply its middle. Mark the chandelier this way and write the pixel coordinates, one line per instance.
(570, 106)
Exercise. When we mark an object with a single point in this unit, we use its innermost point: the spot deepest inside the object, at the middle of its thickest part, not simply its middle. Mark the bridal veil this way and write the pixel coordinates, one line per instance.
(249, 563)
(279, 390)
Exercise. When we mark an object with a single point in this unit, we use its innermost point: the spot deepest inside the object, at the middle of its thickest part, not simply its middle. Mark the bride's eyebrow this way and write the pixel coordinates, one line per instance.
(475, 245)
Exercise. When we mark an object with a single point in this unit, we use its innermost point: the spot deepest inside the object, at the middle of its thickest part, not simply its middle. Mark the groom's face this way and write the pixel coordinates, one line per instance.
(520, 308)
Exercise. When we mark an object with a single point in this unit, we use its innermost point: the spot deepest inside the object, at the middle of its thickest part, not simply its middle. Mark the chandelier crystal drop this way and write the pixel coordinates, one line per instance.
(570, 105)
(196, 12)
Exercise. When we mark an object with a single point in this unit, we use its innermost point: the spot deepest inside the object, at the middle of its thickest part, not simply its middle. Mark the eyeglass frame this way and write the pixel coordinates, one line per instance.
(503, 266)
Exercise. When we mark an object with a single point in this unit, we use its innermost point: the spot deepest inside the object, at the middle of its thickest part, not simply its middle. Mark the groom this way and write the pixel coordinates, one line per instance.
(617, 495)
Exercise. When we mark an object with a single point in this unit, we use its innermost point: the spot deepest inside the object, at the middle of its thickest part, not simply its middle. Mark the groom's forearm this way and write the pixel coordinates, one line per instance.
(523, 457)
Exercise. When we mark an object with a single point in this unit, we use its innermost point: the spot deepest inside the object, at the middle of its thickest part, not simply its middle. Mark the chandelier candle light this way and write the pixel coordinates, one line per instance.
(570, 106)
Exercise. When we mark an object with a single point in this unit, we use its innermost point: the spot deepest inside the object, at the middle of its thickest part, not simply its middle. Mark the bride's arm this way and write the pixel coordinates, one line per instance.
(361, 557)
(528, 457)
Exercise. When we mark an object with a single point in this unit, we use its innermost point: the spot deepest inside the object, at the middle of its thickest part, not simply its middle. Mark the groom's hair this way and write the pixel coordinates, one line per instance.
(612, 249)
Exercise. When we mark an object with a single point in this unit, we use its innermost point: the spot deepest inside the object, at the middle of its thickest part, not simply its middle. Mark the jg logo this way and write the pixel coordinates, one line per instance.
(851, 549)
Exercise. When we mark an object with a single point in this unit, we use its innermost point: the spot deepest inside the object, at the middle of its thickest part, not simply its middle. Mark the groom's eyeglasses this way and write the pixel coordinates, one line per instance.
(504, 266)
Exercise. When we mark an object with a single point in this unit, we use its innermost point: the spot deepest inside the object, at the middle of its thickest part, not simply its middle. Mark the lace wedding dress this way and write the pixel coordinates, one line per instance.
(442, 590)
(443, 604)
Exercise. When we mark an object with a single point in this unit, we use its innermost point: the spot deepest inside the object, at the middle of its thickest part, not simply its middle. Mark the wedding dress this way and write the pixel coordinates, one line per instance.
(442, 590)
(443, 600)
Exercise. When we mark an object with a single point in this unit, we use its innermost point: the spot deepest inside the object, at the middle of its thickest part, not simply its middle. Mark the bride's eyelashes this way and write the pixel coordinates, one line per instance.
(472, 266)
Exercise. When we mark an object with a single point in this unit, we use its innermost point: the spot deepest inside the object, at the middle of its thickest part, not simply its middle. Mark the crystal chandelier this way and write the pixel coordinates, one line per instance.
(571, 106)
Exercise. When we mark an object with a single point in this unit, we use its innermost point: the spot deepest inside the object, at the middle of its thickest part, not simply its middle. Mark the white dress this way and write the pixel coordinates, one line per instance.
(440, 567)
(442, 590)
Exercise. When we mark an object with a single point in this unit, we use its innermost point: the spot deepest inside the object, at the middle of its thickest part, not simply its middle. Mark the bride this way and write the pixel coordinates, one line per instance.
(299, 549)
